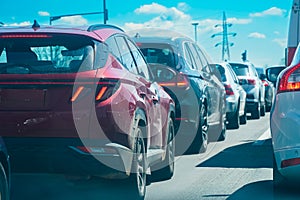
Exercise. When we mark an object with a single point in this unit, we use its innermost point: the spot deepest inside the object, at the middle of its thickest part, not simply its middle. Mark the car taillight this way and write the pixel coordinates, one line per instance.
(228, 89)
(290, 80)
(251, 81)
(265, 83)
(180, 81)
(104, 90)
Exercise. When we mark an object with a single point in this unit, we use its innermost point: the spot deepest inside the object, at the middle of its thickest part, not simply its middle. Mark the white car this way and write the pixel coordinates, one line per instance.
(285, 124)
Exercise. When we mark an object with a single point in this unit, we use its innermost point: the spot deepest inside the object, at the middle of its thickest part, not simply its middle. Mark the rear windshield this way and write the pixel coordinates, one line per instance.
(240, 70)
(44, 53)
(159, 53)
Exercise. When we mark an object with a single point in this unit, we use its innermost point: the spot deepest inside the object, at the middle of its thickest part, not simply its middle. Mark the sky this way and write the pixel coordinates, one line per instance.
(260, 27)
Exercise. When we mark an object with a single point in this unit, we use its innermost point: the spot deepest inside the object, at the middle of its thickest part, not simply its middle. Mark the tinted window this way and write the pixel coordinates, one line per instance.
(126, 56)
(113, 48)
(188, 56)
(240, 70)
(159, 53)
(55, 53)
(141, 64)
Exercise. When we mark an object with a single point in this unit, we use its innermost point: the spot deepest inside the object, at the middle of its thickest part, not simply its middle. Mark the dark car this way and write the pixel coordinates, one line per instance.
(183, 68)
(5, 173)
(269, 87)
(82, 101)
(272, 73)
(250, 81)
(235, 97)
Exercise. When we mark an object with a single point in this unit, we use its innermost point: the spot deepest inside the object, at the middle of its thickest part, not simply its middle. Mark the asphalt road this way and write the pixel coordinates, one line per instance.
(238, 168)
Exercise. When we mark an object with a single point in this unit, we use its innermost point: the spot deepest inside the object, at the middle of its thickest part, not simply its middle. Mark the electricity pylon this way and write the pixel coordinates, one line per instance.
(225, 43)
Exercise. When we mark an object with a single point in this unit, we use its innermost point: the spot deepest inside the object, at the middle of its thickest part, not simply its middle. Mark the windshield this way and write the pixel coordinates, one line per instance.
(37, 54)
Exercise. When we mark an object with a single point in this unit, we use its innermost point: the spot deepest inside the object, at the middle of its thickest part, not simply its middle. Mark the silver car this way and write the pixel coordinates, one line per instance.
(250, 81)
(235, 97)
(285, 124)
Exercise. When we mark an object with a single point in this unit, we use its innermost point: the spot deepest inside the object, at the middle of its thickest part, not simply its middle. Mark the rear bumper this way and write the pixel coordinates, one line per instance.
(67, 156)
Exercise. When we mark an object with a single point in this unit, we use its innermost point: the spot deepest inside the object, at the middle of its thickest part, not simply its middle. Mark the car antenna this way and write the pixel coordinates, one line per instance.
(35, 25)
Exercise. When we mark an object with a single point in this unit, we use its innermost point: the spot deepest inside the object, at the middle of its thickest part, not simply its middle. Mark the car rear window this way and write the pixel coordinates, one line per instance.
(45, 53)
(159, 53)
(240, 70)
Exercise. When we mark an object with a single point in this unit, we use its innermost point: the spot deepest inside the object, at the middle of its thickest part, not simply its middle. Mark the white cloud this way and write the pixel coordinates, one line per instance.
(281, 42)
(74, 20)
(257, 35)
(153, 8)
(43, 13)
(26, 23)
(239, 21)
(274, 11)
(183, 6)
(167, 18)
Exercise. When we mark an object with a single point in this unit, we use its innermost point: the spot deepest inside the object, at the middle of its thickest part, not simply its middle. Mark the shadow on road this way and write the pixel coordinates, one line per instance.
(50, 187)
(262, 190)
(243, 156)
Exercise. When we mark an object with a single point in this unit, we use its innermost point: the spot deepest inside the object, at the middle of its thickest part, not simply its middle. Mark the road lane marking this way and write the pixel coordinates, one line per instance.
(266, 135)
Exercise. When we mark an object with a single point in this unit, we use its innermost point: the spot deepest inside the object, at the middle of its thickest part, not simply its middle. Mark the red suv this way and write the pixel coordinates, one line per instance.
(82, 101)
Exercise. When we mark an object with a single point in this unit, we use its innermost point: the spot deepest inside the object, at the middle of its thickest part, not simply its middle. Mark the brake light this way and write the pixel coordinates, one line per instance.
(180, 81)
(101, 92)
(228, 89)
(77, 93)
(265, 83)
(290, 80)
(25, 36)
(106, 89)
(251, 81)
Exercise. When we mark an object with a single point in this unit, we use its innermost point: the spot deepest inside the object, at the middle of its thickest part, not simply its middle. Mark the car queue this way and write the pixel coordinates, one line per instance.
(115, 101)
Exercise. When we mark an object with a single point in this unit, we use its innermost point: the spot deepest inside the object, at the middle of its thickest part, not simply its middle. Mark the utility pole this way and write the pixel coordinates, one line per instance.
(105, 12)
(195, 24)
(225, 43)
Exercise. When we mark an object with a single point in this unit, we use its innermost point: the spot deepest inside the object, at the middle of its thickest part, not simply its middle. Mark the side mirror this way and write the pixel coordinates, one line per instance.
(273, 72)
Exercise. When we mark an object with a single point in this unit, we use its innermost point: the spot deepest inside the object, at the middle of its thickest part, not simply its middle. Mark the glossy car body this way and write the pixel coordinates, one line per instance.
(269, 87)
(285, 125)
(82, 101)
(235, 97)
(183, 68)
(250, 81)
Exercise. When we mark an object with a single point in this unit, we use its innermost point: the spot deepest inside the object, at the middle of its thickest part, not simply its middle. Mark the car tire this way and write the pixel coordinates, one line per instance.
(138, 176)
(4, 186)
(243, 118)
(255, 114)
(200, 142)
(263, 110)
(222, 136)
(165, 169)
(234, 122)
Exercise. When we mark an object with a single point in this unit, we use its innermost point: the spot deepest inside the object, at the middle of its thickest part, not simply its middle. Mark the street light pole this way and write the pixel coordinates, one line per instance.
(105, 12)
(195, 24)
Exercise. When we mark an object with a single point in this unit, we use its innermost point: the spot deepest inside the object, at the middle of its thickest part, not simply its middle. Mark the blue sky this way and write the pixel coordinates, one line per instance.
(261, 26)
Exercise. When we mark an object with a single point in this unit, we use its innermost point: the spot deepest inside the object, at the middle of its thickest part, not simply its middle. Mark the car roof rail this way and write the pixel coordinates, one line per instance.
(102, 26)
